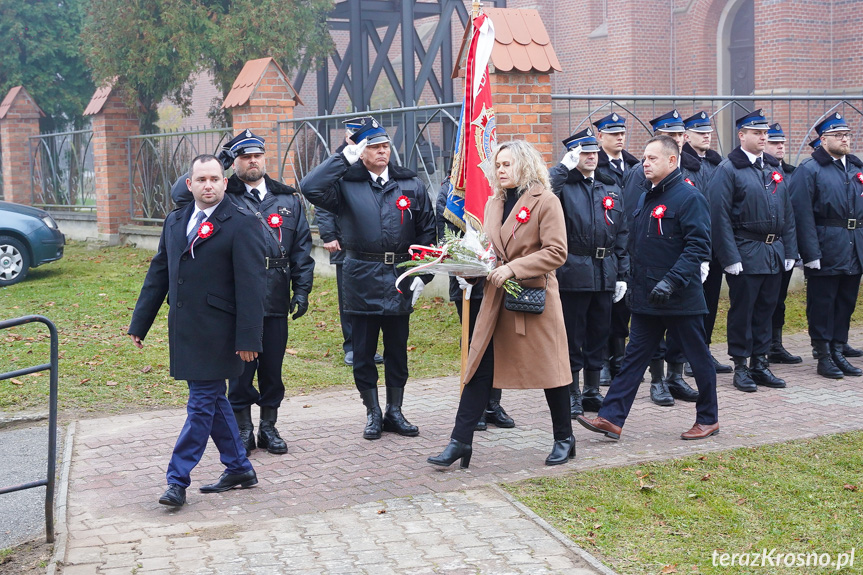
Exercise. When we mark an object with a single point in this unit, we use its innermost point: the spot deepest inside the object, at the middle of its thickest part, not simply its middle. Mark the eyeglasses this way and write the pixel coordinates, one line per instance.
(841, 136)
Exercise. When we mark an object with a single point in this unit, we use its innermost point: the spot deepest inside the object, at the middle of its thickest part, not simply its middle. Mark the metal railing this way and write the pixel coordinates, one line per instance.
(48, 482)
(798, 114)
(155, 163)
(423, 139)
(61, 170)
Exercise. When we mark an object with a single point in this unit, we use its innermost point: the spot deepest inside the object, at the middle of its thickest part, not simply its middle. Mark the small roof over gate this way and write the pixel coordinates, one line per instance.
(249, 78)
(7, 102)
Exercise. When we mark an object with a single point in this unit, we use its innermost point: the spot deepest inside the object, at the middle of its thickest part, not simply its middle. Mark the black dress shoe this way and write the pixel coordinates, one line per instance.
(562, 451)
(174, 496)
(230, 480)
(454, 451)
(378, 358)
(349, 358)
(849, 351)
(496, 415)
(843, 364)
(482, 424)
(721, 367)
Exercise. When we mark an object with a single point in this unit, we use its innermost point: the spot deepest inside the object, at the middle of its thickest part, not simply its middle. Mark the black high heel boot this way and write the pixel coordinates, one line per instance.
(453, 452)
(562, 451)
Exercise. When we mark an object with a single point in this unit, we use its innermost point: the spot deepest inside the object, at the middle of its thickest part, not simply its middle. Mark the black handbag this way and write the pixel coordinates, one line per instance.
(529, 300)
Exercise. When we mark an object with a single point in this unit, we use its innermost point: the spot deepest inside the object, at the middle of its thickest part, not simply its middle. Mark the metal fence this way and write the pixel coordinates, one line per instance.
(423, 139)
(798, 115)
(156, 161)
(61, 171)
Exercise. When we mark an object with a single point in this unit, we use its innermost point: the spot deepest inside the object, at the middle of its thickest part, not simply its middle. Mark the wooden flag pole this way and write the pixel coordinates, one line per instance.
(465, 335)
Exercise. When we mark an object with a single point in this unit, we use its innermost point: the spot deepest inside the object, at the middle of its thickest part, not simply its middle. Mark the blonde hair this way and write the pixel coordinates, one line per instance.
(528, 167)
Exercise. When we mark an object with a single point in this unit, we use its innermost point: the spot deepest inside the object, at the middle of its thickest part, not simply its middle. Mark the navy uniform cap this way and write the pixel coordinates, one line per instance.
(668, 122)
(775, 133)
(245, 143)
(699, 122)
(832, 123)
(816, 143)
(753, 121)
(585, 138)
(611, 124)
(354, 124)
(372, 131)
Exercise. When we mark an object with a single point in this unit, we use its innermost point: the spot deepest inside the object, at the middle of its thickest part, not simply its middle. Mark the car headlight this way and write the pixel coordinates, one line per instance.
(49, 221)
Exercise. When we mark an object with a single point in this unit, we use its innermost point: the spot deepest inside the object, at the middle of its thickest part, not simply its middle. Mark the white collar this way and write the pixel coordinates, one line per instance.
(385, 175)
(753, 157)
(262, 188)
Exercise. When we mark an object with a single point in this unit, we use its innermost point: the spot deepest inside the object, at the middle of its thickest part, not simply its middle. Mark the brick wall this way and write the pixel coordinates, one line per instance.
(19, 122)
(522, 107)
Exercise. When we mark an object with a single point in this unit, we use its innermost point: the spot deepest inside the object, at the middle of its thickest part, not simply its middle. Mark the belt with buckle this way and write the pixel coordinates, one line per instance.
(766, 238)
(847, 224)
(278, 263)
(384, 258)
(596, 253)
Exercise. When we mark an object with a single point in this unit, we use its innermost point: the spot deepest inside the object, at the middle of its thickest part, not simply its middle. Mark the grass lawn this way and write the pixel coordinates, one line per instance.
(90, 295)
(670, 517)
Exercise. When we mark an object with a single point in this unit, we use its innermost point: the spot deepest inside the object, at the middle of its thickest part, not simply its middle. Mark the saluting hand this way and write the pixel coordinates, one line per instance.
(500, 275)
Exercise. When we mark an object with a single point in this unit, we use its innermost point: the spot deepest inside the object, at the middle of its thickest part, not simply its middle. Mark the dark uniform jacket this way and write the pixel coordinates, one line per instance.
(588, 230)
(787, 168)
(605, 168)
(328, 228)
(674, 254)
(371, 223)
(690, 171)
(441, 223)
(296, 238)
(828, 200)
(216, 298)
(709, 163)
(746, 201)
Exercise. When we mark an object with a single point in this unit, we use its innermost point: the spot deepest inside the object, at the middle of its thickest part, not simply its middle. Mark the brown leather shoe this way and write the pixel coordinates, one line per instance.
(600, 425)
(701, 431)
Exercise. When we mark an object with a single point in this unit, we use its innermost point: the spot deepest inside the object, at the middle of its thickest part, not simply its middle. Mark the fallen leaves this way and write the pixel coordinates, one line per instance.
(850, 487)
(111, 383)
(16, 381)
(669, 569)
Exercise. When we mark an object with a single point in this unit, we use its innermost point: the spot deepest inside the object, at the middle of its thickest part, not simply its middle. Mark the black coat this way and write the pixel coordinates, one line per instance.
(441, 223)
(676, 253)
(588, 229)
(328, 228)
(746, 198)
(634, 182)
(371, 222)
(296, 237)
(604, 167)
(296, 241)
(709, 163)
(822, 191)
(216, 298)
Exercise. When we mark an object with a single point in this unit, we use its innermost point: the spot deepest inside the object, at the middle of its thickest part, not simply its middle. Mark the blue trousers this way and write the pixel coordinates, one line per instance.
(208, 414)
(645, 334)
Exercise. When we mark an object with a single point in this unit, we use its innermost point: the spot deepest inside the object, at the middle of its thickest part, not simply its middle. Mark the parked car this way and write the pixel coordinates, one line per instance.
(28, 238)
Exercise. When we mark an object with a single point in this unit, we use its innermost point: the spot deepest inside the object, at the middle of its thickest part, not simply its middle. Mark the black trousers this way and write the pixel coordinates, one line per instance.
(344, 319)
(268, 366)
(587, 317)
(750, 317)
(645, 333)
(712, 286)
(779, 312)
(475, 396)
(366, 330)
(830, 301)
(620, 319)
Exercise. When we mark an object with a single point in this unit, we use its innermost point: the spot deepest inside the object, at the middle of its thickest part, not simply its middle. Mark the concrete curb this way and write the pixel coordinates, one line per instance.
(561, 538)
(61, 529)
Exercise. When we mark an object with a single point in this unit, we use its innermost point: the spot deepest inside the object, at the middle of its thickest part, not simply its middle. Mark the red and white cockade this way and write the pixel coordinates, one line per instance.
(521, 217)
(403, 203)
(275, 221)
(607, 204)
(205, 230)
(659, 213)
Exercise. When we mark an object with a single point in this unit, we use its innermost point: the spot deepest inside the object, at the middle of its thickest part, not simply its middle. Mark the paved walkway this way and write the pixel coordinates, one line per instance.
(339, 504)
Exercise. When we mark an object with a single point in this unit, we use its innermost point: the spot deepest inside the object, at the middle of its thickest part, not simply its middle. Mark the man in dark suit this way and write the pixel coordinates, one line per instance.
(669, 239)
(210, 252)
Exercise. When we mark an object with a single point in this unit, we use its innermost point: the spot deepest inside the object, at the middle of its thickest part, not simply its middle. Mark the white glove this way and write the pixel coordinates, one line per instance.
(570, 159)
(705, 270)
(814, 264)
(789, 264)
(465, 285)
(619, 291)
(352, 153)
(417, 287)
(734, 269)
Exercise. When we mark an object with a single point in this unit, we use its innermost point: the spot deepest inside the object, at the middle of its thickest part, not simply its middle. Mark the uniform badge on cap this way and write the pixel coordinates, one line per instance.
(248, 134)
(838, 116)
(674, 114)
(374, 123)
(703, 115)
(615, 117)
(589, 132)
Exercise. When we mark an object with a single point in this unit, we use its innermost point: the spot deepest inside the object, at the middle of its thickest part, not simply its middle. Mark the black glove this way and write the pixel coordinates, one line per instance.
(300, 304)
(660, 294)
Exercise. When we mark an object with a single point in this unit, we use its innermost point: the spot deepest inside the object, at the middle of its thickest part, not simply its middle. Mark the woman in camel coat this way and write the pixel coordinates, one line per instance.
(516, 350)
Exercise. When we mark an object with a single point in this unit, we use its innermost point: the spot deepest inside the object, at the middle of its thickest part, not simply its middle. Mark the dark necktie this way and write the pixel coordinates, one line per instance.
(380, 181)
(840, 165)
(198, 220)
(618, 164)
(588, 181)
(257, 193)
(758, 163)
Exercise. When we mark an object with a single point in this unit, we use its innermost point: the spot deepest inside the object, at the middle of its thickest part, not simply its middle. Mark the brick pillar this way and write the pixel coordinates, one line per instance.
(113, 123)
(19, 119)
(522, 107)
(262, 95)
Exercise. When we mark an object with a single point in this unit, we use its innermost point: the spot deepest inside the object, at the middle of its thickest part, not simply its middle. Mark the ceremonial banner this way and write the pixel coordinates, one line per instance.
(476, 138)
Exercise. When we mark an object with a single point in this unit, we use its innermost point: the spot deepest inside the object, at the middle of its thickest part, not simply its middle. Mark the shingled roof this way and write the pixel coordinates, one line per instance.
(248, 80)
(10, 98)
(521, 43)
(100, 96)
